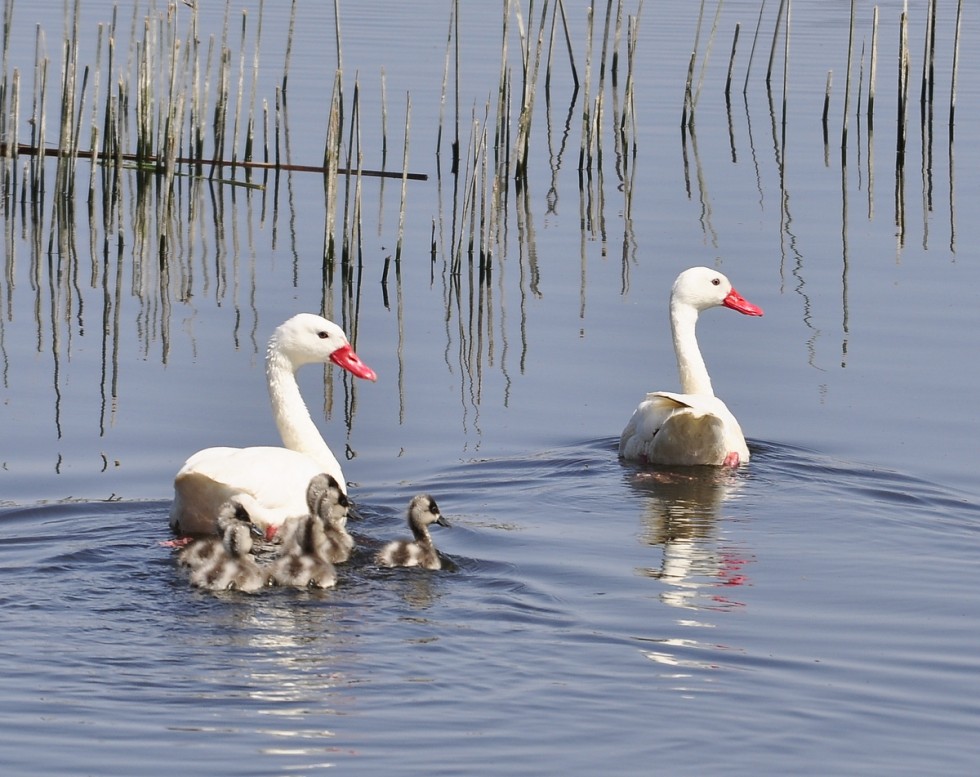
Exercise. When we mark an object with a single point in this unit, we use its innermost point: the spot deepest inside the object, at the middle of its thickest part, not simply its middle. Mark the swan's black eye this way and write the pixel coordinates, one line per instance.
(715, 281)
(323, 335)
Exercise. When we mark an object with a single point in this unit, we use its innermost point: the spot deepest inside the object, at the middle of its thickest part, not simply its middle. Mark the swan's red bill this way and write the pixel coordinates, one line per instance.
(350, 361)
(736, 301)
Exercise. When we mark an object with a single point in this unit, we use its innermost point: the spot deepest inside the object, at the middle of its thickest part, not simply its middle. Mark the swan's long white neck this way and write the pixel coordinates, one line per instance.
(296, 428)
(690, 364)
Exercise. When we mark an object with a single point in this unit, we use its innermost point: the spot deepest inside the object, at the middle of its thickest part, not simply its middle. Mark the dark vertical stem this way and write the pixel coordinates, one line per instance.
(731, 63)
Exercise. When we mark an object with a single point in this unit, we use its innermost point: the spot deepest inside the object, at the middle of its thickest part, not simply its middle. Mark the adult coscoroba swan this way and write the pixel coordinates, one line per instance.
(694, 426)
(270, 483)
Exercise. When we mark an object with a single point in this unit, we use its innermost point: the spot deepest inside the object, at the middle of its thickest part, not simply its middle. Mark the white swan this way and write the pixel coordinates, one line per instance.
(420, 552)
(694, 426)
(269, 482)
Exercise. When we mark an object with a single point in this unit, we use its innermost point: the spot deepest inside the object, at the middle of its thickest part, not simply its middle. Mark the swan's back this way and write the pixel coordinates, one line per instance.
(269, 482)
(681, 430)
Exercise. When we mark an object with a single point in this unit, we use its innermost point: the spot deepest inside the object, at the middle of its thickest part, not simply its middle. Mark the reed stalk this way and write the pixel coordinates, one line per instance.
(786, 74)
(404, 192)
(384, 120)
(775, 40)
(629, 112)
(617, 40)
(331, 155)
(955, 69)
(903, 87)
(928, 59)
(241, 89)
(560, 8)
(731, 62)
(38, 116)
(755, 40)
(353, 148)
(445, 80)
(604, 56)
(847, 79)
(687, 114)
(287, 58)
(531, 67)
(826, 104)
(336, 22)
(253, 90)
(501, 140)
(900, 142)
(707, 53)
(586, 142)
(356, 226)
(873, 72)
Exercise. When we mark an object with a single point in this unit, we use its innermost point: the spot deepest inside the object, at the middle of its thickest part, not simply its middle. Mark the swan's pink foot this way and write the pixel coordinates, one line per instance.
(270, 533)
(731, 460)
(177, 542)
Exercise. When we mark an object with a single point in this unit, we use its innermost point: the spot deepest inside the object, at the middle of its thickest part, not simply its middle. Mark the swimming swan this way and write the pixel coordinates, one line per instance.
(422, 511)
(269, 482)
(694, 426)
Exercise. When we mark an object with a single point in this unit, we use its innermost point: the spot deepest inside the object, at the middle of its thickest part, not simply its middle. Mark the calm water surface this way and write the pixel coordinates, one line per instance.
(813, 613)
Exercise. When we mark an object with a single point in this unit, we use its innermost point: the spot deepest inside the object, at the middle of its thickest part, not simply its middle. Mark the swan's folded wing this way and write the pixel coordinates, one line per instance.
(645, 422)
(669, 428)
(269, 482)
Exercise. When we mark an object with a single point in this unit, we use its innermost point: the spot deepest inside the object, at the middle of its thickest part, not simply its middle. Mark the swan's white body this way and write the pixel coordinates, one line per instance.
(270, 482)
(694, 426)
(420, 552)
(313, 543)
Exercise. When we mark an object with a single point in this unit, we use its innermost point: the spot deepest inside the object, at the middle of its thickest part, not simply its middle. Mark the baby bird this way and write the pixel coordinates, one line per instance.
(312, 544)
(225, 562)
(420, 552)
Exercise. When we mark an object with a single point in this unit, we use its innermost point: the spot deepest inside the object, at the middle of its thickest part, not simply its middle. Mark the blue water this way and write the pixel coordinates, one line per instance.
(812, 613)
(599, 618)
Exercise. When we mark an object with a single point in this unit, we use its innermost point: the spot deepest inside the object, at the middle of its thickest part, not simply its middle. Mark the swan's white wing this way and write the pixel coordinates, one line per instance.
(682, 429)
(644, 424)
(269, 482)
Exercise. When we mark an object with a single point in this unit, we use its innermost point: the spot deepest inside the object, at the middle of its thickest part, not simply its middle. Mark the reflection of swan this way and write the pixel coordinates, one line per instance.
(422, 511)
(693, 427)
(682, 510)
(312, 543)
(270, 483)
(225, 563)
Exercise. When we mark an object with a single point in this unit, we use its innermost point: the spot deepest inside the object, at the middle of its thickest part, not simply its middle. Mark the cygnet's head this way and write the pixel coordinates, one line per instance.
(423, 511)
(236, 528)
(326, 500)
